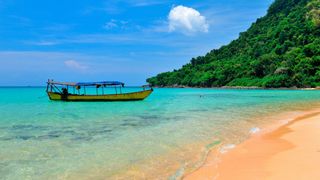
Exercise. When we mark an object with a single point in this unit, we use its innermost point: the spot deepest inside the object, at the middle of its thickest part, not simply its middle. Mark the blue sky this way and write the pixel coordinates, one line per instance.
(126, 40)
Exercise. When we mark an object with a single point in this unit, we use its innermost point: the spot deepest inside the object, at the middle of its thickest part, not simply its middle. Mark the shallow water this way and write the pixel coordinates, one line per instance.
(162, 137)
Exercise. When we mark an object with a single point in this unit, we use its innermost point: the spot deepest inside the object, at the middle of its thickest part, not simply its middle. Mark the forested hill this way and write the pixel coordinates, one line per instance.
(281, 49)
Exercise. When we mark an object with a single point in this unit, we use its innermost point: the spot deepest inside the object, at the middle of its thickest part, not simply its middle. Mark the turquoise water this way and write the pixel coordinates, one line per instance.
(161, 137)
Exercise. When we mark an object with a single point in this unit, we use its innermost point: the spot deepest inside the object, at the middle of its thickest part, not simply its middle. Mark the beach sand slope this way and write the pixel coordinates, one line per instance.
(289, 152)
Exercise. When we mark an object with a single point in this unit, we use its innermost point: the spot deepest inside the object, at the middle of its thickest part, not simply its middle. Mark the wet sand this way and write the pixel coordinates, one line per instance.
(291, 151)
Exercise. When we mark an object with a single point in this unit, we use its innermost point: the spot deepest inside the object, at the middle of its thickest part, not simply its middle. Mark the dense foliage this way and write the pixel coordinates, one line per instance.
(281, 49)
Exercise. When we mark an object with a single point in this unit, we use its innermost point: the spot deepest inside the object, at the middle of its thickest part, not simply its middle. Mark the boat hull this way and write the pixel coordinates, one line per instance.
(134, 96)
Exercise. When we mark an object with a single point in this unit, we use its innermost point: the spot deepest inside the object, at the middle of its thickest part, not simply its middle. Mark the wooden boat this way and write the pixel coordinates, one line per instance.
(60, 91)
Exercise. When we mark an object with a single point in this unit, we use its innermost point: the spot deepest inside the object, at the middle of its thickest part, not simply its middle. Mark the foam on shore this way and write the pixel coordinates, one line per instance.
(290, 151)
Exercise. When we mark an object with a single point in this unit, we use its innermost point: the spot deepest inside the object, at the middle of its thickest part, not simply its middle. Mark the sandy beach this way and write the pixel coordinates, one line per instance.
(291, 151)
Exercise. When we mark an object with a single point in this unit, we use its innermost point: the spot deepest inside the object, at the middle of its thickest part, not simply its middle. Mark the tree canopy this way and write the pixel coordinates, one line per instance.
(281, 49)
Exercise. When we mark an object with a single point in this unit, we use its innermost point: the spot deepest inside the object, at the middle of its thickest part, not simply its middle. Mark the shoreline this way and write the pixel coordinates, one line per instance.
(237, 88)
(267, 154)
(181, 171)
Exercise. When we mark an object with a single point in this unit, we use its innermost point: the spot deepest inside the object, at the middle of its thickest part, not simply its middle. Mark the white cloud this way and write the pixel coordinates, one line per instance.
(75, 65)
(138, 3)
(43, 43)
(187, 20)
(113, 24)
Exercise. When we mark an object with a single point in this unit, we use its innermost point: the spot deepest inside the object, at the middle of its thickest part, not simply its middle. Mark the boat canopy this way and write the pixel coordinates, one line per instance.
(101, 83)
